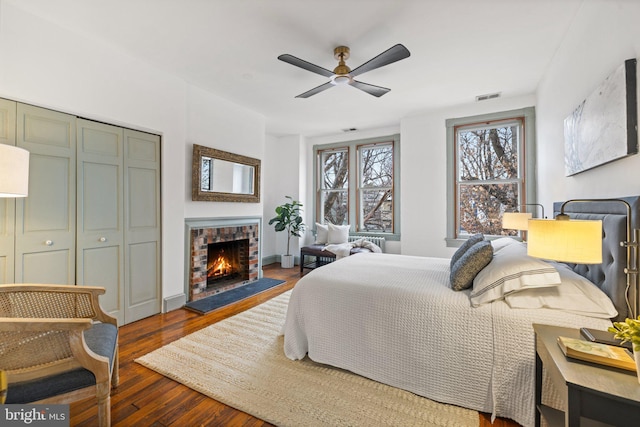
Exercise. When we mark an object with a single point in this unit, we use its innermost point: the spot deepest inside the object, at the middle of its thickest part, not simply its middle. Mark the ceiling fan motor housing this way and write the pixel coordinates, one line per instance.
(341, 53)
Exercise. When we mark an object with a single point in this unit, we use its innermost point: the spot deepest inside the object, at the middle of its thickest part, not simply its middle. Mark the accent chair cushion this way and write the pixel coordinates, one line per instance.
(101, 338)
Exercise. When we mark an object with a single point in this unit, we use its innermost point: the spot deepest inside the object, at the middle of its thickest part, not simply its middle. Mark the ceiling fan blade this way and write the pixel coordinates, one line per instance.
(305, 65)
(315, 90)
(377, 91)
(389, 56)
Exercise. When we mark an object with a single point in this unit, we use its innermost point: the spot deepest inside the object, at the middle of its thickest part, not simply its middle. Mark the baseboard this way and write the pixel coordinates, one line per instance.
(173, 302)
(272, 259)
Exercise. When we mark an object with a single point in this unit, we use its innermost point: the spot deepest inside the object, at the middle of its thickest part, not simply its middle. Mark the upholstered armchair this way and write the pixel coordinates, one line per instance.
(57, 345)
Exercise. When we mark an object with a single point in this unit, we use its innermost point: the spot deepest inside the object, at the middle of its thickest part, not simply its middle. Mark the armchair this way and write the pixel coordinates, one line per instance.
(57, 345)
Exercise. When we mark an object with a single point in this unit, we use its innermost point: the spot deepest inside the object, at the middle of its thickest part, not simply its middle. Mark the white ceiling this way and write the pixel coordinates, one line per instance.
(459, 49)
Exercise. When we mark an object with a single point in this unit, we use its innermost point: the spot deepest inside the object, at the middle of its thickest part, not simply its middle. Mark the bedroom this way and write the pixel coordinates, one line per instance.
(52, 66)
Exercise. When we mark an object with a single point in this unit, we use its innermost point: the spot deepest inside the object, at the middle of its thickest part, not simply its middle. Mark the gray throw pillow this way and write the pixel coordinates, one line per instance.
(464, 247)
(470, 264)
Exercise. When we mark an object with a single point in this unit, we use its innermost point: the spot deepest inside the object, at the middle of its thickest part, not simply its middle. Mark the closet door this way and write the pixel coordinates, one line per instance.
(46, 220)
(8, 205)
(100, 205)
(142, 224)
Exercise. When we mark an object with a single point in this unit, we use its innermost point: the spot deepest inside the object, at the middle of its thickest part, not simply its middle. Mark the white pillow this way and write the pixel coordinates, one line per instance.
(502, 242)
(338, 234)
(511, 270)
(322, 234)
(576, 295)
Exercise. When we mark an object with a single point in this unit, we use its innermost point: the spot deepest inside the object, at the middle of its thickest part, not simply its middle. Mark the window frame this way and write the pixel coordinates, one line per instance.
(527, 165)
(354, 182)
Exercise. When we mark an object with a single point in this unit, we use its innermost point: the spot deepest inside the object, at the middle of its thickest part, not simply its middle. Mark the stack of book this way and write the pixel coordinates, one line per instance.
(594, 352)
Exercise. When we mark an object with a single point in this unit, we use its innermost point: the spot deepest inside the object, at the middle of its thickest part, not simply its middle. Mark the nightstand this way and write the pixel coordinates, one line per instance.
(595, 392)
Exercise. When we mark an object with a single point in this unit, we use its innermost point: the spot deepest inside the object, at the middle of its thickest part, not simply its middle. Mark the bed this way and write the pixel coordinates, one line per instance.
(396, 320)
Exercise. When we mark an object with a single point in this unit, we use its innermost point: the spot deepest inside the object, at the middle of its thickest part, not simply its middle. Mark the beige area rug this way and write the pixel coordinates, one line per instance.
(240, 362)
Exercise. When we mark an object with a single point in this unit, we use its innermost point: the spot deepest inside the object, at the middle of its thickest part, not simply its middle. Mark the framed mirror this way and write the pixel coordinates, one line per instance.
(220, 176)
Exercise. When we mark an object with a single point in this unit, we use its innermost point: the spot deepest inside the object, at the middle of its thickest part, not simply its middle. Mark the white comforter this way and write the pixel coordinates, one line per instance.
(394, 319)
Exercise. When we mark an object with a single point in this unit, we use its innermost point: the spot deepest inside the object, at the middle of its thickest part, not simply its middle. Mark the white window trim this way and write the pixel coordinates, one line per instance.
(529, 165)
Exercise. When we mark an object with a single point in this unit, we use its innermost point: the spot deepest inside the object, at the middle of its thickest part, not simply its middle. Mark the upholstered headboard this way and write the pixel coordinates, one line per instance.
(609, 275)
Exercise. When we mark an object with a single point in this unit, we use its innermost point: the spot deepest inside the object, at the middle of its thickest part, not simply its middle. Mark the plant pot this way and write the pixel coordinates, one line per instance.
(636, 356)
(286, 261)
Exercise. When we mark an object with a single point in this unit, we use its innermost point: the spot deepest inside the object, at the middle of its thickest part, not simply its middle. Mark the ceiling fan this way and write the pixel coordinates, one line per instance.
(343, 75)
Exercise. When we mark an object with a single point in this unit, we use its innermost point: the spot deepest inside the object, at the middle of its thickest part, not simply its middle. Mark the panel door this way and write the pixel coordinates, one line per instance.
(100, 212)
(142, 225)
(46, 220)
(7, 205)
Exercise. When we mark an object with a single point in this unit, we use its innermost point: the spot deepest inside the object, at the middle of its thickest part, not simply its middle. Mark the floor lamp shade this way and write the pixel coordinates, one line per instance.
(14, 171)
(574, 241)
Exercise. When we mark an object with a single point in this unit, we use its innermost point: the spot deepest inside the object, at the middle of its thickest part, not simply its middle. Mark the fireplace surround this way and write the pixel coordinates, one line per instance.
(239, 240)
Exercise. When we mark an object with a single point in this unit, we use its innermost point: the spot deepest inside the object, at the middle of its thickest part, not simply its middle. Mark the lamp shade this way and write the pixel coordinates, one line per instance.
(575, 241)
(14, 171)
(516, 220)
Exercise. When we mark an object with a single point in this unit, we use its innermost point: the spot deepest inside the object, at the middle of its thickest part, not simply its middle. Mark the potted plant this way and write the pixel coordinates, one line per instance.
(288, 219)
(629, 330)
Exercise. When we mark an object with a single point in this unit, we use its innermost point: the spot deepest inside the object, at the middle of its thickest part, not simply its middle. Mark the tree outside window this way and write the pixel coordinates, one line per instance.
(489, 179)
(334, 186)
(376, 187)
(356, 185)
(491, 170)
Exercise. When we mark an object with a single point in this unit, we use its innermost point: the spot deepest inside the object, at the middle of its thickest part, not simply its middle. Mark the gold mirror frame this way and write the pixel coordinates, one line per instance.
(197, 194)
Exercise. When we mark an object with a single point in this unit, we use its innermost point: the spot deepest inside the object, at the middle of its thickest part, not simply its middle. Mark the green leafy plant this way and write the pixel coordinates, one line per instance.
(629, 330)
(289, 219)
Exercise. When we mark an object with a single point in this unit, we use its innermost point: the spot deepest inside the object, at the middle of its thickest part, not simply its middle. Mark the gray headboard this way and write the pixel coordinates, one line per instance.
(609, 275)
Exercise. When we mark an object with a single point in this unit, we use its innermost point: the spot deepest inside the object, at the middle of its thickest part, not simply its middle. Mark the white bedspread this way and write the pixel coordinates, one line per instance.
(394, 319)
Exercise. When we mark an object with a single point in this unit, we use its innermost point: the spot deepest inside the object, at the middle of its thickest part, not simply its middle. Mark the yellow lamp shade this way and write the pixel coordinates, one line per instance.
(575, 241)
(516, 220)
(14, 171)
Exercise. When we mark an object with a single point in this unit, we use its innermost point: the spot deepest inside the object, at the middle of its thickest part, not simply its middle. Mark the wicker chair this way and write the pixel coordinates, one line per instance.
(57, 345)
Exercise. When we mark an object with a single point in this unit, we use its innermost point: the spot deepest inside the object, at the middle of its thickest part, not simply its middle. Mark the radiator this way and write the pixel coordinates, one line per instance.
(377, 240)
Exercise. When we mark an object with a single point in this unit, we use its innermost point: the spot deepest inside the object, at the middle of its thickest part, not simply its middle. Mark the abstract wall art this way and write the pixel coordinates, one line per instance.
(604, 127)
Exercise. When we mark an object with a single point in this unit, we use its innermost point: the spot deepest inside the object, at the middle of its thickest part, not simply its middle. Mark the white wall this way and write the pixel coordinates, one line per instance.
(602, 36)
(48, 66)
(424, 174)
(284, 176)
(217, 123)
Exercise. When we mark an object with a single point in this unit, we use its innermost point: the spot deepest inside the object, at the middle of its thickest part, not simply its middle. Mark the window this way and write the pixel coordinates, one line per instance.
(356, 185)
(490, 171)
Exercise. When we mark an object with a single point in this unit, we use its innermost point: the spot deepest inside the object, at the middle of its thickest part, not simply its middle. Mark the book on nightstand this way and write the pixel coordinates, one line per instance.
(602, 354)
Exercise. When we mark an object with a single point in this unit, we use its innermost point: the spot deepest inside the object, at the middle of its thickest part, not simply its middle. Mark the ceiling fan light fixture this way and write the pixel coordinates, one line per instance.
(341, 80)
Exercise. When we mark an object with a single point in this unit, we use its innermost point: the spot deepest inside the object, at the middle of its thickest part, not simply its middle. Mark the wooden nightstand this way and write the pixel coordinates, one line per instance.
(595, 392)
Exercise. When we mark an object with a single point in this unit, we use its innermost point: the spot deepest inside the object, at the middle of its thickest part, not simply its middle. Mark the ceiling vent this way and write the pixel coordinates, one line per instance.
(487, 96)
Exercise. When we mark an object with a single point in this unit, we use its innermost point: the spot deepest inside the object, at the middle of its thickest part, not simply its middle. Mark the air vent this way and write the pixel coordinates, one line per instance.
(487, 96)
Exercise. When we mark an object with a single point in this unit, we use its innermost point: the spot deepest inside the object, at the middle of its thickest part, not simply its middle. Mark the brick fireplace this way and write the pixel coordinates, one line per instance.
(224, 255)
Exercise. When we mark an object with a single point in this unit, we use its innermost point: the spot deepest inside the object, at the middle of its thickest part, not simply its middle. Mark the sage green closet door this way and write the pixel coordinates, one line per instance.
(7, 205)
(100, 204)
(142, 225)
(46, 220)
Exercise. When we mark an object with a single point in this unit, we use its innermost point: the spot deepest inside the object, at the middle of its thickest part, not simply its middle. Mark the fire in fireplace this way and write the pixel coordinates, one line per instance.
(227, 261)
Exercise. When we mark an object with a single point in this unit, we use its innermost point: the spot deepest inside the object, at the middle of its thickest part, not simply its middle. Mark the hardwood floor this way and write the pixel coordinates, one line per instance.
(146, 398)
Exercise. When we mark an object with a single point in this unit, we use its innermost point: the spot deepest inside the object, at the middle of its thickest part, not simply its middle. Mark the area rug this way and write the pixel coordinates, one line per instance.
(240, 362)
(214, 302)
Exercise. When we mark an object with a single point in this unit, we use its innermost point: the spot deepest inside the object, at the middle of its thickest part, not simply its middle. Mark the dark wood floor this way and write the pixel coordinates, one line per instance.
(146, 398)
